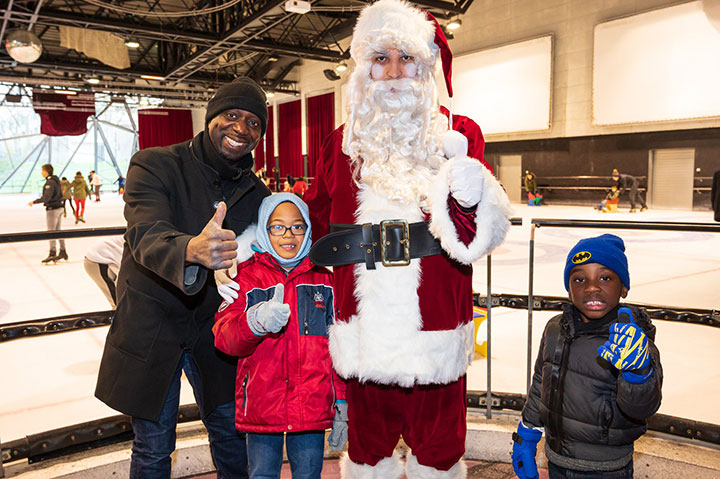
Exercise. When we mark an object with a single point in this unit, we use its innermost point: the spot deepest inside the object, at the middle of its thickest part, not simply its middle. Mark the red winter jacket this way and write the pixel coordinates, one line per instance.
(285, 381)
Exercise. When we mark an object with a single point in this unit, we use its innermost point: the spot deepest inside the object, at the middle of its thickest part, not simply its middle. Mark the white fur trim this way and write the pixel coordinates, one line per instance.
(415, 470)
(388, 468)
(384, 342)
(370, 351)
(491, 217)
(394, 24)
(245, 241)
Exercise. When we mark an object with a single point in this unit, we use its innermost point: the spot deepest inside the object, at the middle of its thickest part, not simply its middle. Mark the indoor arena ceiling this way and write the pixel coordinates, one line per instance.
(190, 46)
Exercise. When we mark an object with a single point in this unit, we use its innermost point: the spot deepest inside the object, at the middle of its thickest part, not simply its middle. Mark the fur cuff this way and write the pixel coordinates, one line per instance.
(415, 470)
(361, 351)
(491, 218)
(245, 241)
(388, 468)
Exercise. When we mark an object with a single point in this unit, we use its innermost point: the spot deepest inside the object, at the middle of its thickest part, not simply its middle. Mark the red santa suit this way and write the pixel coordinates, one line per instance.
(404, 335)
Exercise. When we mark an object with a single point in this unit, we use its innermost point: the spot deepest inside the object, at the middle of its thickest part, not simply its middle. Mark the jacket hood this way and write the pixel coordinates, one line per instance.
(263, 238)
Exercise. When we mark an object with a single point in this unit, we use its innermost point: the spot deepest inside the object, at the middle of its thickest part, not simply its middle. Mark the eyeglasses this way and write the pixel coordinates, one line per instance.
(280, 230)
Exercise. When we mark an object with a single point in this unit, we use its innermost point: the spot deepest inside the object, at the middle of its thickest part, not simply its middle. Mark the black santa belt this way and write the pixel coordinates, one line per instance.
(392, 243)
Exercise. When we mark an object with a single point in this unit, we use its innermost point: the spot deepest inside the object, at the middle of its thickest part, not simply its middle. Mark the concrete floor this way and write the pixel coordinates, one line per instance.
(48, 382)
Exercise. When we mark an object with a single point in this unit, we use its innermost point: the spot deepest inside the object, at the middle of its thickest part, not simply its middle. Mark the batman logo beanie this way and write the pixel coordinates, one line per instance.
(607, 250)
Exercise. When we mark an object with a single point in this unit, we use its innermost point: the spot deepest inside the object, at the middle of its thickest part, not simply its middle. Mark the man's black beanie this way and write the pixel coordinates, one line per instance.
(242, 93)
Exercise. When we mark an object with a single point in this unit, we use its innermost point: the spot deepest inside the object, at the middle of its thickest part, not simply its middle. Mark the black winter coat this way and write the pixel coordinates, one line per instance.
(589, 411)
(52, 193)
(170, 196)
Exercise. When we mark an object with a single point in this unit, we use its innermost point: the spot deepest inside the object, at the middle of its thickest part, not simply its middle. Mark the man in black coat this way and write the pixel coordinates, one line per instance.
(629, 182)
(184, 206)
(52, 199)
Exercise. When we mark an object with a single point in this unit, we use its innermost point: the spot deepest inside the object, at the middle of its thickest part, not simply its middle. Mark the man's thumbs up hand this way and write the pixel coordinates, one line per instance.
(215, 247)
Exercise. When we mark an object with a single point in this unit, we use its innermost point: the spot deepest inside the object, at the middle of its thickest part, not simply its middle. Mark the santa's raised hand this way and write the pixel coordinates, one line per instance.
(466, 175)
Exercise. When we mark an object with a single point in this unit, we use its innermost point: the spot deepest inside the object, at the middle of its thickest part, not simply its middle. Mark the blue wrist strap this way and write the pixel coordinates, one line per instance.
(633, 378)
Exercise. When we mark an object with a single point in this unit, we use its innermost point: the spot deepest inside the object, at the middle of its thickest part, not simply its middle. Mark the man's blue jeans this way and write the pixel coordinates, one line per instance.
(557, 472)
(155, 441)
(304, 450)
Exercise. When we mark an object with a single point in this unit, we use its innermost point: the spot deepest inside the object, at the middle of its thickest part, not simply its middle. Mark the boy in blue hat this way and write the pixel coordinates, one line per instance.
(597, 376)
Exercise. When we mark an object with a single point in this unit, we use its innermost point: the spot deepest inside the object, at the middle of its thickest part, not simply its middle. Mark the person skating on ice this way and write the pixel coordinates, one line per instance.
(52, 198)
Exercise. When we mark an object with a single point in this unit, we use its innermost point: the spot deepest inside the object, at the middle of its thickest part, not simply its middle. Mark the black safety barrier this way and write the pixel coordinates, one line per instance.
(687, 428)
(628, 225)
(61, 234)
(706, 317)
(80, 437)
(114, 429)
(59, 324)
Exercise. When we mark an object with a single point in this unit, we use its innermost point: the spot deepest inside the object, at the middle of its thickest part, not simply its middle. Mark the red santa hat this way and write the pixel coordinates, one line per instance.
(397, 24)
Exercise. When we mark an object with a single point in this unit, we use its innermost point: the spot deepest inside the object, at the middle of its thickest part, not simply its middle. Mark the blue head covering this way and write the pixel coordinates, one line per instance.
(607, 250)
(267, 206)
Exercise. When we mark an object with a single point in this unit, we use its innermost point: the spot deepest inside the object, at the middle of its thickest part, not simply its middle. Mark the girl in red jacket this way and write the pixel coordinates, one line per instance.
(275, 318)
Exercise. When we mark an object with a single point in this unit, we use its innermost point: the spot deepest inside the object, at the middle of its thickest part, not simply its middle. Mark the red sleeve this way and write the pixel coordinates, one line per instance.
(232, 333)
(317, 196)
(464, 220)
(473, 133)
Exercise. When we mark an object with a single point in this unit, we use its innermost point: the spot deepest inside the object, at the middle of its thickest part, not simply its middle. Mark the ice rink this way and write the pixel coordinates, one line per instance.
(48, 381)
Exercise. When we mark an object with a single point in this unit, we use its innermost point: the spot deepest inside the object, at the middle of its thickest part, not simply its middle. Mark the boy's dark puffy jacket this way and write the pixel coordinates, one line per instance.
(589, 411)
(285, 381)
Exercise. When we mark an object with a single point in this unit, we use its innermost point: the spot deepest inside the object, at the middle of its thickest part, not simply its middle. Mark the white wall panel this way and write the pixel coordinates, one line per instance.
(657, 66)
(504, 89)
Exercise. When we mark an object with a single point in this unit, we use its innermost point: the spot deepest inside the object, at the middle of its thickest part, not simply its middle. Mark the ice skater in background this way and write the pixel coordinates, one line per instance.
(53, 201)
(534, 198)
(625, 182)
(597, 376)
(275, 318)
(80, 191)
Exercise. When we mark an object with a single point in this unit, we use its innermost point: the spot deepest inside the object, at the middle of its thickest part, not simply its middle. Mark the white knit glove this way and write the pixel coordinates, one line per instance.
(227, 288)
(269, 316)
(466, 175)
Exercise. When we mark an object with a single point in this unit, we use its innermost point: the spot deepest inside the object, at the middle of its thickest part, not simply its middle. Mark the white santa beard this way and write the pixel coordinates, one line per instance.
(395, 144)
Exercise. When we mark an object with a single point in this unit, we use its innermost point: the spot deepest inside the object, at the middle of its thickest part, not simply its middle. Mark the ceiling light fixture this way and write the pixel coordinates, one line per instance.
(93, 80)
(152, 77)
(132, 44)
(297, 6)
(341, 67)
(454, 24)
(66, 92)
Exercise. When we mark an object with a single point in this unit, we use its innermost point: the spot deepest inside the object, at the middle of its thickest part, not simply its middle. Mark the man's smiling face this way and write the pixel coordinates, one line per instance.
(235, 133)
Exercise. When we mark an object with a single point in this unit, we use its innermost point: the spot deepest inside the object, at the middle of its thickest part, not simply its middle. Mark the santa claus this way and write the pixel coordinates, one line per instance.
(401, 213)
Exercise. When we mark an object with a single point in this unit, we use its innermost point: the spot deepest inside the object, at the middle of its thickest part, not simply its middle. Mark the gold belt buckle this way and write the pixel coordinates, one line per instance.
(384, 243)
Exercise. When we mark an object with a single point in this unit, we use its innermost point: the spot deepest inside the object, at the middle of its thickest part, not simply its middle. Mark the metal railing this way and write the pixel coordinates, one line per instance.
(117, 428)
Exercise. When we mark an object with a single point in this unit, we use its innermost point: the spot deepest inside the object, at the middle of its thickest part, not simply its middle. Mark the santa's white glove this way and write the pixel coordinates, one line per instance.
(466, 175)
(227, 288)
(455, 144)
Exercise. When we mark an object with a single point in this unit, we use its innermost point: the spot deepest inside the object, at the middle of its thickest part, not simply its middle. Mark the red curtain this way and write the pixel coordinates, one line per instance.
(290, 147)
(61, 114)
(164, 127)
(270, 143)
(259, 154)
(320, 123)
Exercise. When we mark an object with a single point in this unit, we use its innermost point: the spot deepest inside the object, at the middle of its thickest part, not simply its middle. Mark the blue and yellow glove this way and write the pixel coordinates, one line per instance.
(627, 349)
(523, 454)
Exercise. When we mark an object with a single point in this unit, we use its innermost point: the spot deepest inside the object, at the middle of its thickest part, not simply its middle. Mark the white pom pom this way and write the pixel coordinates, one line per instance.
(455, 144)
